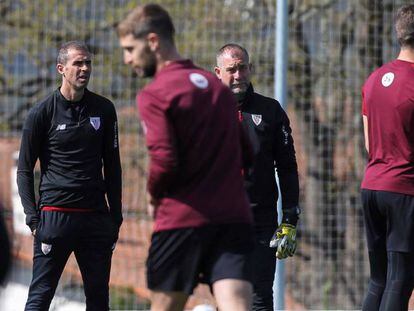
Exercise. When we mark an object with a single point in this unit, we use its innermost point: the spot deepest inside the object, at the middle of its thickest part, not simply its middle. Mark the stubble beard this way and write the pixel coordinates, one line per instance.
(150, 63)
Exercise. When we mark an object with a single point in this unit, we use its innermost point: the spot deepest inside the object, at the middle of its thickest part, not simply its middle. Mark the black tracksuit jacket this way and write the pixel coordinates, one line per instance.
(269, 131)
(73, 141)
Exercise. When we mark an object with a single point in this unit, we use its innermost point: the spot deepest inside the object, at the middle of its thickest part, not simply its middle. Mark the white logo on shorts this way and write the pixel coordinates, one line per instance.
(199, 80)
(387, 79)
(46, 248)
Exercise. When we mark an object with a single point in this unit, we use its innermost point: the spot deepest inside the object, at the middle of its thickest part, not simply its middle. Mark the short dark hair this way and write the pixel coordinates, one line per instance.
(230, 47)
(404, 25)
(145, 19)
(62, 57)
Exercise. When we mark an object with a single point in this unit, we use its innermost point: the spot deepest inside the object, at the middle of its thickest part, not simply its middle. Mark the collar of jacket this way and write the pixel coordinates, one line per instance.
(249, 94)
(63, 100)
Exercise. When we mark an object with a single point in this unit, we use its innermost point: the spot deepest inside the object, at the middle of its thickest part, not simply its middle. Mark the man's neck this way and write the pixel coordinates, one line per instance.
(71, 94)
(406, 54)
(166, 57)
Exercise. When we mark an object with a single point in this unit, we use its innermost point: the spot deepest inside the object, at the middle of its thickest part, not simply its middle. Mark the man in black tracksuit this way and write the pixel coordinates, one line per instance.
(73, 132)
(269, 131)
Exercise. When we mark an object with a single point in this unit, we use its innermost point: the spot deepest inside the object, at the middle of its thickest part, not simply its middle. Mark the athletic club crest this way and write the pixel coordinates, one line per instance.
(257, 118)
(387, 79)
(46, 248)
(198, 80)
(95, 122)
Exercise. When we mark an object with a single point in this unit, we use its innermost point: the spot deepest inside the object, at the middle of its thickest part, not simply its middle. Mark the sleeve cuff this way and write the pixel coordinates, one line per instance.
(33, 225)
(291, 215)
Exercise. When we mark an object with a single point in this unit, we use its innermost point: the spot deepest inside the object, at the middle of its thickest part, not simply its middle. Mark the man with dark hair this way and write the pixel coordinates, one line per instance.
(269, 131)
(202, 226)
(388, 184)
(73, 132)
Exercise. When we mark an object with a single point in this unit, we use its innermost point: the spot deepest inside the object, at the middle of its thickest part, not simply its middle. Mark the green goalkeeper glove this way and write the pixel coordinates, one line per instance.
(284, 240)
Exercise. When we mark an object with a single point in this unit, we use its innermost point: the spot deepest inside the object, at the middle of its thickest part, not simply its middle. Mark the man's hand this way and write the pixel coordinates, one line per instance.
(284, 240)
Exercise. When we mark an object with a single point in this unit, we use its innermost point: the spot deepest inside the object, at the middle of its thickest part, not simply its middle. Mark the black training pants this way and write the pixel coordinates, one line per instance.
(90, 235)
(391, 281)
(264, 265)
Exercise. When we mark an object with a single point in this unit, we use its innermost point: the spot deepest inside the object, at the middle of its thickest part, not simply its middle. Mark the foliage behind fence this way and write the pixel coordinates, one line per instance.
(333, 45)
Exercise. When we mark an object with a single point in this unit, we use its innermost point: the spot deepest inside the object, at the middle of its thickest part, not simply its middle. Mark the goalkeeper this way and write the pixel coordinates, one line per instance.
(268, 128)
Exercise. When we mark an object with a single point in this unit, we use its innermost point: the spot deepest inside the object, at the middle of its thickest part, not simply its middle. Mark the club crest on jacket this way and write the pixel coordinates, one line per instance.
(257, 118)
(95, 122)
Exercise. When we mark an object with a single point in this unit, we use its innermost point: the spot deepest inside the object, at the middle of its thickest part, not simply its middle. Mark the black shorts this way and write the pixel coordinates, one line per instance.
(179, 259)
(389, 220)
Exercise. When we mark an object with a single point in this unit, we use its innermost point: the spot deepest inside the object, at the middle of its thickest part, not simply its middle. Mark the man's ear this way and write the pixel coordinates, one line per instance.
(218, 72)
(59, 68)
(153, 41)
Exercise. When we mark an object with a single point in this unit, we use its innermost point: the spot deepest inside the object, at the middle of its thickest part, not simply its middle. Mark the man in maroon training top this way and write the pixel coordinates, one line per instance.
(388, 184)
(202, 218)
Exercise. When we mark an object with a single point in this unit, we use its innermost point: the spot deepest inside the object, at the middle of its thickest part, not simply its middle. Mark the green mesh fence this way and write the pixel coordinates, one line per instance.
(333, 46)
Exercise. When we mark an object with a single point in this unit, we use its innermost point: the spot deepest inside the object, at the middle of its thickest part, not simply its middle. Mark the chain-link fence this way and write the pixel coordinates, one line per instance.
(333, 45)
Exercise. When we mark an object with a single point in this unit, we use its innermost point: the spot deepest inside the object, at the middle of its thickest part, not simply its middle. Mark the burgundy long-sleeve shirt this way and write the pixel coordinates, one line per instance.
(193, 138)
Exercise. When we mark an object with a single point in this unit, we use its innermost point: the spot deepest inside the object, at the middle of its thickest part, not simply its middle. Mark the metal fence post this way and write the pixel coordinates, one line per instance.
(280, 90)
